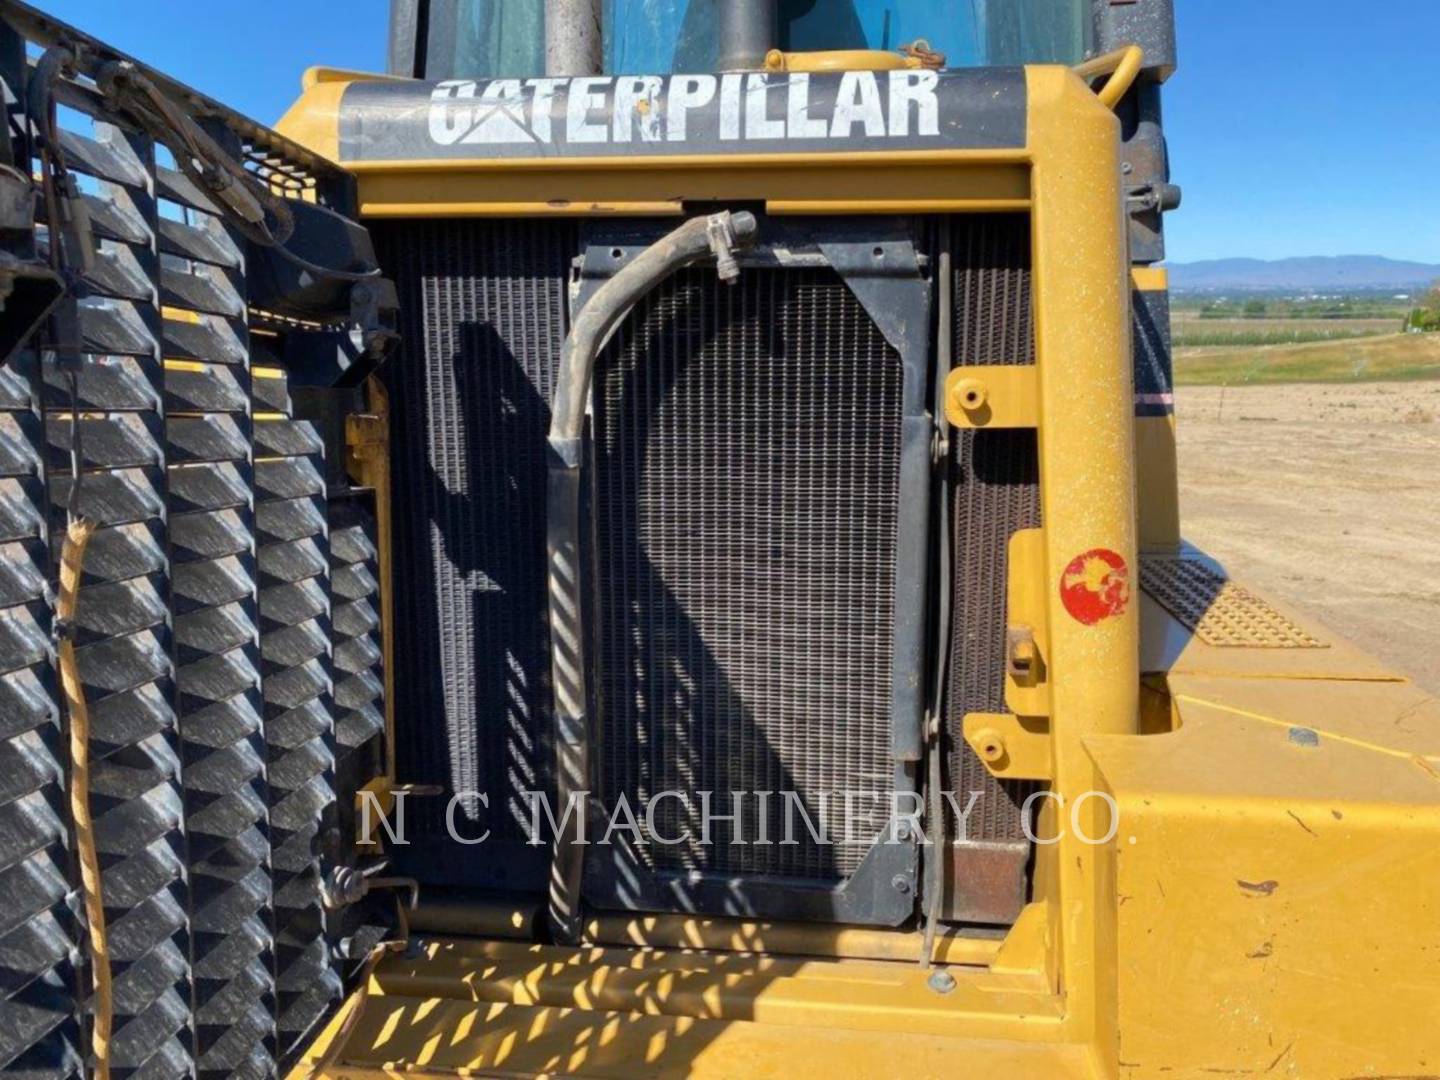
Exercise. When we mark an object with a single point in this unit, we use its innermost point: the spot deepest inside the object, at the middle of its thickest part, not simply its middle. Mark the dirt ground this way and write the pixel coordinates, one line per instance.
(1327, 497)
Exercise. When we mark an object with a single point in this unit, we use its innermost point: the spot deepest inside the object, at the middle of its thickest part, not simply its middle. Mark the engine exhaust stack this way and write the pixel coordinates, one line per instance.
(747, 33)
(573, 38)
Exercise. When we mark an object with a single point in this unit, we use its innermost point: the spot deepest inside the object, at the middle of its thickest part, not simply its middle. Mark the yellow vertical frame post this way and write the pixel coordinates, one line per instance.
(368, 439)
(1087, 474)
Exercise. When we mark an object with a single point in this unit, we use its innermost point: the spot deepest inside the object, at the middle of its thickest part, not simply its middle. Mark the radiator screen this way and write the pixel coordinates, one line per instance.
(483, 307)
(746, 503)
(995, 493)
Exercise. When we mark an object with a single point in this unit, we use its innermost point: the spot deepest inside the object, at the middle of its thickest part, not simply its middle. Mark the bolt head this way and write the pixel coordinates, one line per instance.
(942, 982)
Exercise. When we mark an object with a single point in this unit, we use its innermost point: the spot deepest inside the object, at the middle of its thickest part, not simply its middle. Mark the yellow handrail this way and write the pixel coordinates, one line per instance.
(1123, 66)
(840, 60)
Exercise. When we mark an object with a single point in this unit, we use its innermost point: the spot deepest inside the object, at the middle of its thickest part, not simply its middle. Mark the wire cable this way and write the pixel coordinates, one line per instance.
(54, 179)
(255, 210)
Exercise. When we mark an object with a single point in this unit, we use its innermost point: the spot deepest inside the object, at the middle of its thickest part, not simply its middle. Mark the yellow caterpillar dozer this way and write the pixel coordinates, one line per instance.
(644, 542)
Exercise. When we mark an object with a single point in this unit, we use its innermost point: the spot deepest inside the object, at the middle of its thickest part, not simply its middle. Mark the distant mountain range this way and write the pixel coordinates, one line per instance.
(1334, 274)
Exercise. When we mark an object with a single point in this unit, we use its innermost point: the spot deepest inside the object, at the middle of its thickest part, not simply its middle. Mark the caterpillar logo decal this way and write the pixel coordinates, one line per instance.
(673, 114)
(648, 108)
(1096, 586)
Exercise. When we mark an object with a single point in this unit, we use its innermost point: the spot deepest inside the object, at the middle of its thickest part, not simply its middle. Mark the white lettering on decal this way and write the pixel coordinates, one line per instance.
(798, 120)
(730, 106)
(857, 100)
(758, 125)
(585, 94)
(917, 89)
(540, 104)
(499, 116)
(448, 120)
(637, 100)
(686, 92)
(739, 106)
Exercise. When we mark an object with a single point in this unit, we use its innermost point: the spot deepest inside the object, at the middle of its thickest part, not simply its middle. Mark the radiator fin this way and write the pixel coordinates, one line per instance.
(995, 493)
(483, 308)
(746, 491)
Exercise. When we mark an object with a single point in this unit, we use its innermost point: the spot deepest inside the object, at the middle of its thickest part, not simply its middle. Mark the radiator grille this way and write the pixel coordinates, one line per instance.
(483, 307)
(996, 493)
(746, 491)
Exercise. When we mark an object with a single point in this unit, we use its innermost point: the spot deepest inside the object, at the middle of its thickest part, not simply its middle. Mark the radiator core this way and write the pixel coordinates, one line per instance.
(746, 505)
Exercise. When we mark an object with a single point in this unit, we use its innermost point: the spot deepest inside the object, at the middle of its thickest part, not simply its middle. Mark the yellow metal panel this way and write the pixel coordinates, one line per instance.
(1028, 947)
(1012, 747)
(1396, 718)
(1157, 471)
(852, 994)
(319, 73)
(313, 120)
(1150, 278)
(784, 938)
(398, 1036)
(506, 1008)
(1087, 473)
(1027, 610)
(1276, 895)
(992, 396)
(991, 205)
(809, 183)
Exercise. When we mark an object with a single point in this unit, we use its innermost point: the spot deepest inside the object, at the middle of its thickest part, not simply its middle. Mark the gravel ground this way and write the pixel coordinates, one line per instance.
(1327, 497)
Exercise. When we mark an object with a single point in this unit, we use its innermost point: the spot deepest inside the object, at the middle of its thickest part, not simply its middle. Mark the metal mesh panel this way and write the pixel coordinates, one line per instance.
(40, 1032)
(483, 307)
(216, 621)
(746, 491)
(996, 493)
(994, 306)
(124, 643)
(294, 564)
(171, 627)
(355, 632)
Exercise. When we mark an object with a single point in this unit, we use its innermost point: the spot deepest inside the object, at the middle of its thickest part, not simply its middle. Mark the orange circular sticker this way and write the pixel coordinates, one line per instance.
(1095, 586)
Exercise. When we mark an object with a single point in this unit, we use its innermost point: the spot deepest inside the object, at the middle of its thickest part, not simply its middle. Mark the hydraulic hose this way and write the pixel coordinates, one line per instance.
(719, 234)
(938, 855)
(71, 239)
(72, 563)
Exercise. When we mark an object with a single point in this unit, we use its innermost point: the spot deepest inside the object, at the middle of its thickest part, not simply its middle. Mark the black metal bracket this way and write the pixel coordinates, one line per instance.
(881, 891)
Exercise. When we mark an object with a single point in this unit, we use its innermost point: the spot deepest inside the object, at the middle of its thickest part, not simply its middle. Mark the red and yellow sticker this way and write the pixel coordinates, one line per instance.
(1096, 586)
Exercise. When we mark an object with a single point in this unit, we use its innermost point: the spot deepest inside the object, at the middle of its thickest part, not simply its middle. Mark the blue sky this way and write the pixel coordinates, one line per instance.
(1297, 127)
